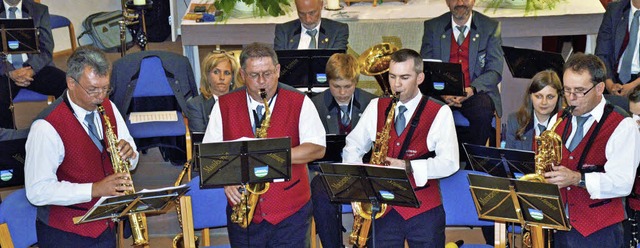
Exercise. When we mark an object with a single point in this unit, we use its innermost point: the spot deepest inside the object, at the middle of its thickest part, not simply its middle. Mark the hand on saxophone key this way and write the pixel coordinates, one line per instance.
(125, 150)
(112, 185)
(233, 193)
(562, 176)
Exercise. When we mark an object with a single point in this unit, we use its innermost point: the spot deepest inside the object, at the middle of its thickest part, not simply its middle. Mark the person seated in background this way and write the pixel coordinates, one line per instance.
(218, 76)
(310, 31)
(541, 102)
(340, 109)
(33, 71)
(617, 46)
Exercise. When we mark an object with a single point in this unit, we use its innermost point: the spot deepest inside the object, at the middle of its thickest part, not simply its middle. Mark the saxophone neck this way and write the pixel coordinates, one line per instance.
(566, 113)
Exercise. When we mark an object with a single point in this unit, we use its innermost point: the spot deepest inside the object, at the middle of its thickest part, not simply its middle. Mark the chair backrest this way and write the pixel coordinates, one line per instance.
(20, 216)
(457, 201)
(208, 205)
(152, 80)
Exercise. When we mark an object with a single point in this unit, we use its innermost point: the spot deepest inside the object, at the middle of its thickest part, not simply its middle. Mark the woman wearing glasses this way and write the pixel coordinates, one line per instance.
(541, 102)
(218, 77)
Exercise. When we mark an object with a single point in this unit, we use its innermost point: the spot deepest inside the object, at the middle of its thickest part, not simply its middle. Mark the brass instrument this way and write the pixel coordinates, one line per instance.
(242, 213)
(139, 231)
(178, 240)
(362, 211)
(548, 153)
(375, 62)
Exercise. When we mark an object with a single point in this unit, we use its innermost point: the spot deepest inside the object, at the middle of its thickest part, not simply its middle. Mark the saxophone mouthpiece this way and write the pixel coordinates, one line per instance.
(568, 111)
(263, 94)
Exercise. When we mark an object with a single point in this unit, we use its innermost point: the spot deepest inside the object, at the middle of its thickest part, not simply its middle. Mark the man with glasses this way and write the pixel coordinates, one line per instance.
(599, 158)
(282, 216)
(67, 165)
(311, 31)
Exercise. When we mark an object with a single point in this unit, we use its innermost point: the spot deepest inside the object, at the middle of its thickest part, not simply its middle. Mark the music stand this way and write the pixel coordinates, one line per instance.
(373, 184)
(500, 162)
(12, 157)
(525, 63)
(245, 161)
(17, 36)
(442, 78)
(305, 68)
(524, 202)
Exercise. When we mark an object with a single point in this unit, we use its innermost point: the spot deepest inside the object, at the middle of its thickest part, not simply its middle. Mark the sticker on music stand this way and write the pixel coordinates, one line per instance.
(438, 85)
(261, 171)
(536, 214)
(321, 78)
(387, 195)
(6, 175)
(13, 44)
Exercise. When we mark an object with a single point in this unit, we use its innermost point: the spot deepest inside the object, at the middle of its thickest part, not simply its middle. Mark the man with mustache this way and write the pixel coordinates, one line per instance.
(472, 39)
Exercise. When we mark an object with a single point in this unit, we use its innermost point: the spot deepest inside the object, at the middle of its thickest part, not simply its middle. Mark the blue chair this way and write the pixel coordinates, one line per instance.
(26, 95)
(461, 121)
(207, 210)
(458, 203)
(17, 213)
(58, 21)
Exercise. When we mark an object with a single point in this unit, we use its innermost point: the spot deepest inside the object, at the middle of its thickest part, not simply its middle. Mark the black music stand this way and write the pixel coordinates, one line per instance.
(17, 36)
(245, 161)
(12, 155)
(524, 202)
(500, 162)
(442, 78)
(525, 63)
(305, 68)
(365, 183)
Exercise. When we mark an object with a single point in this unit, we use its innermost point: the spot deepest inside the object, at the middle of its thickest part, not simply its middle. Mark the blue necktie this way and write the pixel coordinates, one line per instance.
(541, 128)
(460, 38)
(400, 121)
(345, 115)
(579, 132)
(627, 58)
(16, 59)
(258, 120)
(93, 132)
(312, 43)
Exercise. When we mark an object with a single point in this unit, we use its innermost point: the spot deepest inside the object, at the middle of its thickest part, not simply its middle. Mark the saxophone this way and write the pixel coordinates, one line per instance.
(362, 211)
(242, 213)
(548, 153)
(138, 221)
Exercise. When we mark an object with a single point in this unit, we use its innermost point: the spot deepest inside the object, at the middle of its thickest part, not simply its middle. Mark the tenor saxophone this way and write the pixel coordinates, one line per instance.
(548, 153)
(242, 213)
(138, 220)
(362, 211)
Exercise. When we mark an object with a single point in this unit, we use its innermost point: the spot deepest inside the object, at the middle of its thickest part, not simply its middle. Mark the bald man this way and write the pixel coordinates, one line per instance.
(310, 31)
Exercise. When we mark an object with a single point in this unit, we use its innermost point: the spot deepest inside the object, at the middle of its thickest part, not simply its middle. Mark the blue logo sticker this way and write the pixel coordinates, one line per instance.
(321, 77)
(518, 175)
(261, 171)
(387, 195)
(536, 214)
(13, 44)
(438, 85)
(6, 175)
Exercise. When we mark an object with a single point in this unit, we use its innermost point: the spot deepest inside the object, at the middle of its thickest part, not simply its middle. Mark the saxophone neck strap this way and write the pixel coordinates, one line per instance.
(414, 123)
(608, 108)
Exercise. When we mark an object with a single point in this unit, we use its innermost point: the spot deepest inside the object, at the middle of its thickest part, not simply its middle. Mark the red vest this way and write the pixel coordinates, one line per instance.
(83, 163)
(285, 198)
(588, 215)
(429, 195)
(460, 54)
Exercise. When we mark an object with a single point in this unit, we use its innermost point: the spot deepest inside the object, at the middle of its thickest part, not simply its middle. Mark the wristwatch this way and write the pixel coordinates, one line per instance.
(582, 183)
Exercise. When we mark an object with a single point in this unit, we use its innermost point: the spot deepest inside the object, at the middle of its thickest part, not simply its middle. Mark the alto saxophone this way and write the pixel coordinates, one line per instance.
(362, 211)
(242, 213)
(138, 221)
(548, 153)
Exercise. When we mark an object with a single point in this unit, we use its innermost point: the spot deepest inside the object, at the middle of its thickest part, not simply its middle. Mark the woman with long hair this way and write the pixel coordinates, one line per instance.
(541, 102)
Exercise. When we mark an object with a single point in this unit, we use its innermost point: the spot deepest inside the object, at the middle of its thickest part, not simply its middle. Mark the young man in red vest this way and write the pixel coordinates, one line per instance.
(282, 216)
(599, 158)
(67, 165)
(473, 40)
(422, 141)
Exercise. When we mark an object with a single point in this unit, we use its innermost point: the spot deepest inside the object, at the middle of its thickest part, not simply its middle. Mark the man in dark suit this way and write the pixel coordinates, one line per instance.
(310, 31)
(340, 109)
(617, 47)
(472, 39)
(35, 72)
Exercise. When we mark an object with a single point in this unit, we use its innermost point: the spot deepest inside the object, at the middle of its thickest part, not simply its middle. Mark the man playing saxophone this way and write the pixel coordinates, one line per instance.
(282, 215)
(600, 156)
(427, 151)
(67, 167)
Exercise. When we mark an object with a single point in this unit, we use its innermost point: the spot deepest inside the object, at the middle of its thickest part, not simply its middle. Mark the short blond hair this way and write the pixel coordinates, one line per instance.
(342, 67)
(209, 63)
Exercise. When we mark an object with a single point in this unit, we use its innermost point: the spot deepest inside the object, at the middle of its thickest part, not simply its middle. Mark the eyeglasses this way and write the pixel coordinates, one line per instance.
(95, 91)
(578, 93)
(256, 75)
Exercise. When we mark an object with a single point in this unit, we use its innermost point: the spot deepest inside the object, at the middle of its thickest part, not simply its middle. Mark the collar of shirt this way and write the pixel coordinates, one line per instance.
(252, 104)
(596, 114)
(349, 106)
(536, 122)
(304, 30)
(411, 106)
(80, 113)
(456, 32)
(18, 11)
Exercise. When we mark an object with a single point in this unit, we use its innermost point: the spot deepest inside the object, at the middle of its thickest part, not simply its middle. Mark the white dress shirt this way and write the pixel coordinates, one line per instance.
(310, 127)
(441, 139)
(622, 155)
(305, 38)
(45, 153)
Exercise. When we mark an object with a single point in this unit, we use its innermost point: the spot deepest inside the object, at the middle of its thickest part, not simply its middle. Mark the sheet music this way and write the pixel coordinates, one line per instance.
(370, 165)
(142, 117)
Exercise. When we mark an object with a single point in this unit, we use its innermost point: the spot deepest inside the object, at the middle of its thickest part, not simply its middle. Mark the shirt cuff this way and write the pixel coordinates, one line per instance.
(419, 175)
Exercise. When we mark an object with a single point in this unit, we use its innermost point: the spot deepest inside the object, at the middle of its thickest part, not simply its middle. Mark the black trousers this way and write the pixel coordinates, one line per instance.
(52, 237)
(478, 109)
(49, 81)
